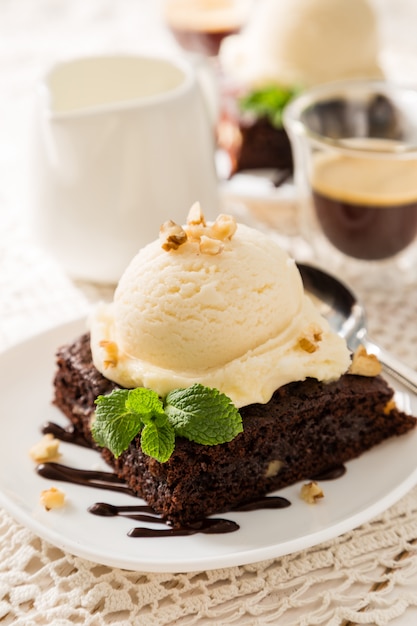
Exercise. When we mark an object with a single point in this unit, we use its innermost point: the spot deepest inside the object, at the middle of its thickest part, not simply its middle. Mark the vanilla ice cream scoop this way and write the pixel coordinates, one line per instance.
(303, 43)
(223, 306)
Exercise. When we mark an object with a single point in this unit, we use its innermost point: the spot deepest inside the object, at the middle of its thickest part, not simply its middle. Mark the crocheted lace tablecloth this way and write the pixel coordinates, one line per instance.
(366, 576)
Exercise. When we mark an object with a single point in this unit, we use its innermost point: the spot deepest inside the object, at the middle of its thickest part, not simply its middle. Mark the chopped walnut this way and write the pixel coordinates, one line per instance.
(364, 364)
(210, 238)
(273, 468)
(47, 449)
(195, 215)
(210, 246)
(310, 339)
(224, 227)
(172, 235)
(311, 492)
(111, 351)
(52, 498)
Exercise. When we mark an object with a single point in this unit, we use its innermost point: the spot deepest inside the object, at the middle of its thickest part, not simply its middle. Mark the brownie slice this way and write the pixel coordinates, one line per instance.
(77, 384)
(307, 428)
(255, 144)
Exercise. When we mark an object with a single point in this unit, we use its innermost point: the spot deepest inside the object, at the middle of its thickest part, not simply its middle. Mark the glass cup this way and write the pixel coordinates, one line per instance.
(355, 151)
(199, 26)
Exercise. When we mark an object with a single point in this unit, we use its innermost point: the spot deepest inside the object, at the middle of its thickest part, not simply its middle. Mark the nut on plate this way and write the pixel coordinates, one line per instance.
(52, 498)
(47, 449)
(311, 492)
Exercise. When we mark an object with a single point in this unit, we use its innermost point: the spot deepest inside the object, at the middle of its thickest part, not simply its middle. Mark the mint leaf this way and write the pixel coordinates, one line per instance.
(158, 441)
(268, 102)
(115, 425)
(145, 402)
(198, 413)
(203, 415)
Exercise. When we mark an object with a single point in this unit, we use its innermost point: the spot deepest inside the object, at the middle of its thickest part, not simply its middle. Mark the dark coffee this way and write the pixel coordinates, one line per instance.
(201, 26)
(203, 42)
(367, 208)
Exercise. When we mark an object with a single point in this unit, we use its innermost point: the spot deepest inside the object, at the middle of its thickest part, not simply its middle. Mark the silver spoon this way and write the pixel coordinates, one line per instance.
(347, 317)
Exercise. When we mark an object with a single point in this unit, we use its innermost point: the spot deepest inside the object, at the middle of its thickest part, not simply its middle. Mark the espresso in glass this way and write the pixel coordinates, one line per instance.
(201, 25)
(366, 206)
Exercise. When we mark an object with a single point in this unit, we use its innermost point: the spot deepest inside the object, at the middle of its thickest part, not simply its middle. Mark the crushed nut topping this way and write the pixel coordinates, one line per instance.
(172, 235)
(47, 449)
(210, 246)
(224, 227)
(364, 364)
(210, 237)
(309, 341)
(311, 492)
(52, 498)
(111, 351)
(195, 216)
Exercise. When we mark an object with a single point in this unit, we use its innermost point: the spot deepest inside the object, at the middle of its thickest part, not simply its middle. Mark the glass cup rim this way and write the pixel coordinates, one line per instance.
(295, 126)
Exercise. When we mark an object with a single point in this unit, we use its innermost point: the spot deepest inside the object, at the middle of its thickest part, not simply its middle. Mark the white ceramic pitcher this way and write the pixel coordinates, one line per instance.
(122, 144)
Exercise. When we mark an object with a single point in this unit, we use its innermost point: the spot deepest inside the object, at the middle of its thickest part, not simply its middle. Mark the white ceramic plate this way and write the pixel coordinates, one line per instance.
(372, 483)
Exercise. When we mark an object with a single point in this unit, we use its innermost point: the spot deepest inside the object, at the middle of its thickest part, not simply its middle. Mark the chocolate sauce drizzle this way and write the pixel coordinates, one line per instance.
(87, 478)
(65, 434)
(144, 513)
(331, 474)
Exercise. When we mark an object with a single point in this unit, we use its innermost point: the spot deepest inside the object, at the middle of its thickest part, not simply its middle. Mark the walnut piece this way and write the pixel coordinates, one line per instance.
(224, 227)
(195, 215)
(310, 339)
(209, 237)
(52, 498)
(172, 235)
(111, 351)
(47, 449)
(210, 246)
(311, 492)
(364, 364)
(273, 468)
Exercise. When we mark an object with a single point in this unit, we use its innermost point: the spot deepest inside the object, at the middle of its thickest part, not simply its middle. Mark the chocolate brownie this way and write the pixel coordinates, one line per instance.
(307, 428)
(255, 144)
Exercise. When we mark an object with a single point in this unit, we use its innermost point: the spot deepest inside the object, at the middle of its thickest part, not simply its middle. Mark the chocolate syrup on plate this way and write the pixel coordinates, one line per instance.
(144, 513)
(87, 478)
(330, 474)
(65, 434)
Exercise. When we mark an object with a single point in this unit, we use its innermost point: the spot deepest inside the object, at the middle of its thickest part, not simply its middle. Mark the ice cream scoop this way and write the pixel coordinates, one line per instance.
(303, 43)
(215, 303)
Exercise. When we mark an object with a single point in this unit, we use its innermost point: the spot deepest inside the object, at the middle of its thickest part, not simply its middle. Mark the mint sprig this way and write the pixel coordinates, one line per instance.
(198, 413)
(203, 415)
(268, 102)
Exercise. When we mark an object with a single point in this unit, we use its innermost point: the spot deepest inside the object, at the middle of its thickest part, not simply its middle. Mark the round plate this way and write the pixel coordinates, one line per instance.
(372, 483)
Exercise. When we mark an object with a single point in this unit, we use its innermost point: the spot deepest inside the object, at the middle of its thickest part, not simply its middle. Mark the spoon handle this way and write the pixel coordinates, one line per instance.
(392, 366)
